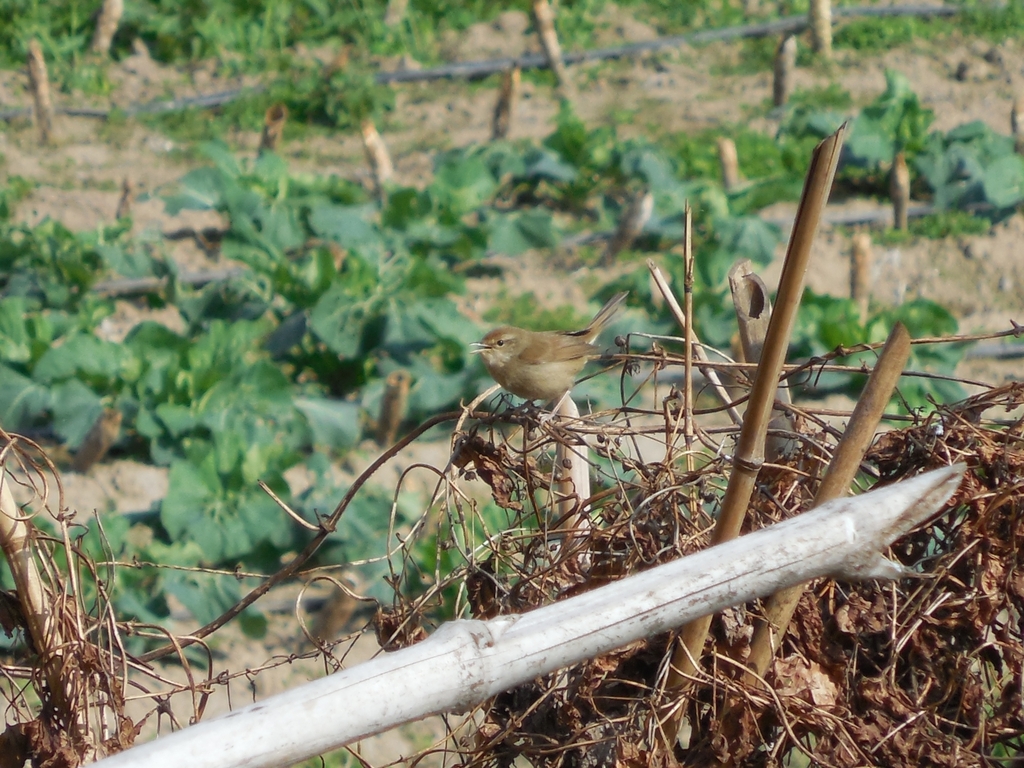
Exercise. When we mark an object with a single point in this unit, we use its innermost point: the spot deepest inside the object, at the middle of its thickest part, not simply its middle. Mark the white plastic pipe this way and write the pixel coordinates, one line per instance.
(465, 662)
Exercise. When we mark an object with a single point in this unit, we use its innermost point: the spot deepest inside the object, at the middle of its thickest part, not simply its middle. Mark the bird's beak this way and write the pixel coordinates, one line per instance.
(480, 347)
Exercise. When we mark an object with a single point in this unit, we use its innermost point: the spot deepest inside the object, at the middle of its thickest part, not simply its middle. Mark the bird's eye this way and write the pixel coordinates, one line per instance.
(499, 343)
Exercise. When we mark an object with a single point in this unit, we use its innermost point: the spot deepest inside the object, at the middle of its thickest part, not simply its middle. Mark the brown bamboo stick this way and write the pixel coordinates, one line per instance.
(544, 20)
(106, 26)
(730, 164)
(750, 447)
(837, 481)
(393, 407)
(274, 120)
(820, 21)
(841, 472)
(39, 83)
(632, 223)
(899, 191)
(785, 66)
(508, 98)
(861, 258)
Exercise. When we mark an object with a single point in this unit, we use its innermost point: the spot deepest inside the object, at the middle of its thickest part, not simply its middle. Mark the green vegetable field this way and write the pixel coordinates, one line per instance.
(271, 293)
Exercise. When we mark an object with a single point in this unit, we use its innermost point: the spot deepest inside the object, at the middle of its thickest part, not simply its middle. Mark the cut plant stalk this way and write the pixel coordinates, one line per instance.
(544, 20)
(820, 21)
(106, 26)
(730, 163)
(861, 259)
(785, 66)
(98, 440)
(377, 156)
(124, 205)
(16, 541)
(899, 191)
(661, 282)
(753, 313)
(689, 432)
(393, 406)
(632, 223)
(273, 127)
(39, 83)
(570, 486)
(505, 109)
(750, 447)
(841, 472)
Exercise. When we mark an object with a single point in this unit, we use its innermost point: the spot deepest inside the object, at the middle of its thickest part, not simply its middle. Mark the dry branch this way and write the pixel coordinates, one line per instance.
(698, 351)
(16, 540)
(465, 662)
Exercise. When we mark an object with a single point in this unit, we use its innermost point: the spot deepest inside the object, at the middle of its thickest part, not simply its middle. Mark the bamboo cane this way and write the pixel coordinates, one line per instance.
(750, 447)
(839, 476)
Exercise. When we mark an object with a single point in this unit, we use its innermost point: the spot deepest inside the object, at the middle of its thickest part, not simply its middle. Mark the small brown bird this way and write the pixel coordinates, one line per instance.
(542, 365)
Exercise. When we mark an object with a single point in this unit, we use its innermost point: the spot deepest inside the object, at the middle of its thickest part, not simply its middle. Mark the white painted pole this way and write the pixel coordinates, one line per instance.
(465, 662)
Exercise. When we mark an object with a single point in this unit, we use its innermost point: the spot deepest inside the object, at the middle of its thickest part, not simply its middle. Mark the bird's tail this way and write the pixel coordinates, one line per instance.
(603, 316)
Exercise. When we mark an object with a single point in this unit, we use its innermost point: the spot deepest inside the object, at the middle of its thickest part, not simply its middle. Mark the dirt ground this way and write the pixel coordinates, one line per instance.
(979, 278)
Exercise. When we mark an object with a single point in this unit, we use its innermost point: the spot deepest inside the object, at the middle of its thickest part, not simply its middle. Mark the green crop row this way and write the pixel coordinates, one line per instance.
(283, 365)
